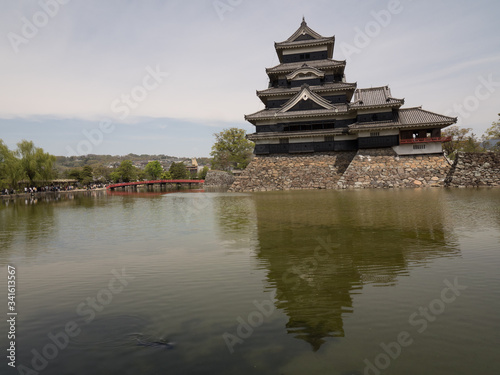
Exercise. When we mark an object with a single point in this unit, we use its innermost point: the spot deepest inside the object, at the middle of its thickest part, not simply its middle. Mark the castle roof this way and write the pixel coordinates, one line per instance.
(274, 113)
(327, 87)
(374, 96)
(304, 36)
(413, 118)
(325, 64)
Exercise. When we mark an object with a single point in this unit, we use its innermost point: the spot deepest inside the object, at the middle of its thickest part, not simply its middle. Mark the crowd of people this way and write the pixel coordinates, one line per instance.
(53, 188)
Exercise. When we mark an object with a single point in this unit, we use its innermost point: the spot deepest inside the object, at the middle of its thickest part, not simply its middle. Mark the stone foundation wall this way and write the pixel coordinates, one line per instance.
(475, 169)
(383, 168)
(289, 171)
(373, 168)
(216, 179)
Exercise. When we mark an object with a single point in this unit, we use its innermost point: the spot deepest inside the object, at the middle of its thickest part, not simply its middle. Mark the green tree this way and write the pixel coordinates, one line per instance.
(126, 172)
(45, 165)
(492, 134)
(141, 175)
(86, 175)
(74, 174)
(231, 150)
(101, 173)
(166, 176)
(26, 151)
(462, 139)
(35, 163)
(203, 173)
(10, 167)
(153, 170)
(179, 171)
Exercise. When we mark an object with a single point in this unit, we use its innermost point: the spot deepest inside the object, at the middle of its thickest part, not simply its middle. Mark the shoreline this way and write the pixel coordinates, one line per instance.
(45, 193)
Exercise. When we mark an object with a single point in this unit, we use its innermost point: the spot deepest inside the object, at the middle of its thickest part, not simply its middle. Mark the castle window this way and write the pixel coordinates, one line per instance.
(375, 134)
(329, 138)
(419, 147)
(283, 140)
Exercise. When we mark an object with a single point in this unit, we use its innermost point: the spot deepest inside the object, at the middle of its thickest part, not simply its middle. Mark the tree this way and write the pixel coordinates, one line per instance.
(166, 176)
(179, 171)
(35, 163)
(462, 139)
(153, 169)
(126, 172)
(45, 165)
(74, 174)
(101, 173)
(203, 173)
(10, 167)
(492, 134)
(86, 175)
(231, 150)
(26, 151)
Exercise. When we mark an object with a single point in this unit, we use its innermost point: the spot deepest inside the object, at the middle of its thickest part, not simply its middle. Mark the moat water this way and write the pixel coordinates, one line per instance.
(304, 282)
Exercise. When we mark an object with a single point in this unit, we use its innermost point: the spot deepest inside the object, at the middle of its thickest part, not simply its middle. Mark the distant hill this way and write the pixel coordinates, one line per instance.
(64, 163)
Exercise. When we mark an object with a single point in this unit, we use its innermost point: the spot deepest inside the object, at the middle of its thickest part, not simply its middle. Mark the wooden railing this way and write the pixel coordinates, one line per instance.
(425, 140)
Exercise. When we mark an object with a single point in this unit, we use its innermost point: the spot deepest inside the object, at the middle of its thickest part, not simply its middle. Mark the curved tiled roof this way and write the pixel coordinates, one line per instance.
(334, 86)
(273, 113)
(318, 64)
(373, 97)
(416, 115)
(407, 118)
(303, 30)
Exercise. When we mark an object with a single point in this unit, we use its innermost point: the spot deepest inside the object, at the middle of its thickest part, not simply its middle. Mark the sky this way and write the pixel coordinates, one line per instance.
(161, 77)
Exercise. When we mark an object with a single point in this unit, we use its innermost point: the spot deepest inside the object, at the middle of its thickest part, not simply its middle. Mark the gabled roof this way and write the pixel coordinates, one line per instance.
(306, 94)
(302, 30)
(303, 70)
(318, 64)
(304, 37)
(375, 96)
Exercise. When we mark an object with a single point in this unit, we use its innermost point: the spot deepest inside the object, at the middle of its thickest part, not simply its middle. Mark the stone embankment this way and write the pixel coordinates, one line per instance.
(218, 180)
(289, 172)
(475, 169)
(383, 168)
(373, 168)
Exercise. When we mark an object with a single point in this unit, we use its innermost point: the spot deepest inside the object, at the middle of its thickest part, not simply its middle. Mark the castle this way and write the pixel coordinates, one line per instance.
(312, 114)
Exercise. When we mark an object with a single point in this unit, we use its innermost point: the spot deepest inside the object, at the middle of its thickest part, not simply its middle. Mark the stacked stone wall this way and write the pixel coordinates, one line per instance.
(475, 169)
(289, 172)
(218, 179)
(373, 168)
(383, 168)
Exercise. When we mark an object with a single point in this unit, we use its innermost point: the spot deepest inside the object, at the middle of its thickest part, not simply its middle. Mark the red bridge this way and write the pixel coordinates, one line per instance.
(153, 182)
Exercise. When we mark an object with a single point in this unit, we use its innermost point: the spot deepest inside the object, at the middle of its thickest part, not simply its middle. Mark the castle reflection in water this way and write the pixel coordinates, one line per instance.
(321, 250)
